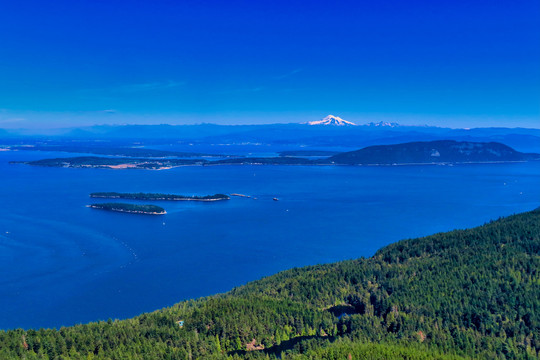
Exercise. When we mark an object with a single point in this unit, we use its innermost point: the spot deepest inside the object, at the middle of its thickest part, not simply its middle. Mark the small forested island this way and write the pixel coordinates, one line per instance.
(158, 196)
(463, 294)
(130, 208)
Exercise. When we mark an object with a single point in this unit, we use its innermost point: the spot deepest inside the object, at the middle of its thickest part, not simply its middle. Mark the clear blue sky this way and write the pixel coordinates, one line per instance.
(453, 63)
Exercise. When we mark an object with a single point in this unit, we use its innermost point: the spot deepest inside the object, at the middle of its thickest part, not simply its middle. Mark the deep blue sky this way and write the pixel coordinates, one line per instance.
(453, 63)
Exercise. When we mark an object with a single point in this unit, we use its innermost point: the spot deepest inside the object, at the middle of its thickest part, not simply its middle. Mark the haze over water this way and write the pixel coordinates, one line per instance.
(62, 263)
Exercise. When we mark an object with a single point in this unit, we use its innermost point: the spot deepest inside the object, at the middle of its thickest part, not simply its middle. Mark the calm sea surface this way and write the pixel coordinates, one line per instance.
(62, 263)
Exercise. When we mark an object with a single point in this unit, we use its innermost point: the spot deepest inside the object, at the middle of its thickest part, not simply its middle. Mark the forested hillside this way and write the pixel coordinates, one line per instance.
(463, 294)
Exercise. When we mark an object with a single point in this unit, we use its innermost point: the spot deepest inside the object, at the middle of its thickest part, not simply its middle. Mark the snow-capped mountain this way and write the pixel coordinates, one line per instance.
(382, 123)
(332, 120)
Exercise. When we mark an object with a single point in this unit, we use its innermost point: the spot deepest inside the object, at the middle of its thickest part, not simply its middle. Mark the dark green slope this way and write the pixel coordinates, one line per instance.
(466, 293)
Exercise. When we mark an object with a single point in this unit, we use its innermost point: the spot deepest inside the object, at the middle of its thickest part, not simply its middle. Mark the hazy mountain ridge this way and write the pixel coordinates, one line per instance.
(523, 139)
(383, 124)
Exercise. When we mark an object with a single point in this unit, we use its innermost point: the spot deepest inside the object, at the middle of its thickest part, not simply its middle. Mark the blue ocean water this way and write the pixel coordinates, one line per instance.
(62, 263)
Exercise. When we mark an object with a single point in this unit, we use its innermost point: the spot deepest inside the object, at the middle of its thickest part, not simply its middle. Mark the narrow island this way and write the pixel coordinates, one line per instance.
(130, 208)
(158, 196)
(96, 162)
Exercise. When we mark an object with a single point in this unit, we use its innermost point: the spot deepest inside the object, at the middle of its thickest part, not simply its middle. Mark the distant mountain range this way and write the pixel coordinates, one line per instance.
(308, 136)
(383, 123)
(332, 120)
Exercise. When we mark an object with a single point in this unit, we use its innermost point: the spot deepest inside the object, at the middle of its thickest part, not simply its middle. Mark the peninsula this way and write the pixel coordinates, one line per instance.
(158, 196)
(130, 208)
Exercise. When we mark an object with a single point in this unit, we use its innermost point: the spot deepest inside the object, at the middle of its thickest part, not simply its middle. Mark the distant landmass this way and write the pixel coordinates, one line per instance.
(444, 151)
(158, 196)
(130, 208)
(112, 162)
(429, 152)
